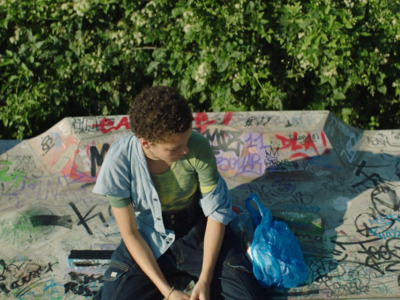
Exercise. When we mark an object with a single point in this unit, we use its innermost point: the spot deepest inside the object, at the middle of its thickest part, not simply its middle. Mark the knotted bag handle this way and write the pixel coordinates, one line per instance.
(263, 213)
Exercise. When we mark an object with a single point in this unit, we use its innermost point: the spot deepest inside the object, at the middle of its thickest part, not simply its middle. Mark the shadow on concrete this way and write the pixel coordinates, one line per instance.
(345, 217)
(6, 145)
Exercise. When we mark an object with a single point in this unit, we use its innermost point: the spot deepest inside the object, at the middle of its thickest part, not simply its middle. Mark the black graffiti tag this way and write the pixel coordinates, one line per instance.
(97, 158)
(383, 258)
(83, 219)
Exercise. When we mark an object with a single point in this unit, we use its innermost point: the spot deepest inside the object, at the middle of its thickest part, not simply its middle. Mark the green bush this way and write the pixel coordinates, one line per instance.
(90, 57)
(344, 57)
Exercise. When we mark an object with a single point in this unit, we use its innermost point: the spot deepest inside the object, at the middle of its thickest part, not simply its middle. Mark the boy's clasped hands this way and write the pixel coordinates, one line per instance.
(199, 292)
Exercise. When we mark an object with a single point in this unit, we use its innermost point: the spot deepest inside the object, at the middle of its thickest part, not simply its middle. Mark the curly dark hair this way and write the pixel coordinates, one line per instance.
(159, 112)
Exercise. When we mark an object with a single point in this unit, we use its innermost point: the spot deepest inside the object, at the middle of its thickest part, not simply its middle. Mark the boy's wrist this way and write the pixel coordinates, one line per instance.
(169, 293)
(205, 278)
(166, 291)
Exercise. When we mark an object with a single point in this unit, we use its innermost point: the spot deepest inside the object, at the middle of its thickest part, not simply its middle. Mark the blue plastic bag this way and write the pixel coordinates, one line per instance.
(242, 226)
(275, 251)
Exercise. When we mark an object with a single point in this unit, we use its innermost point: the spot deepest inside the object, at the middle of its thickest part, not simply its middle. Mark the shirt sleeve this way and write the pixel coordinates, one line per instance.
(119, 202)
(217, 204)
(114, 176)
(215, 200)
(204, 162)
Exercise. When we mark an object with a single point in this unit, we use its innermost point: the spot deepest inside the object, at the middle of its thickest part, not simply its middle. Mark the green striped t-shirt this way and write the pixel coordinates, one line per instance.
(178, 187)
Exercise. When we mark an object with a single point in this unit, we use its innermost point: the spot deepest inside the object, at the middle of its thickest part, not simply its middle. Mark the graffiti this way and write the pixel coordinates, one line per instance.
(336, 186)
(51, 288)
(49, 188)
(382, 258)
(248, 160)
(40, 189)
(335, 183)
(257, 121)
(362, 223)
(319, 268)
(386, 204)
(16, 176)
(346, 279)
(247, 164)
(302, 198)
(274, 165)
(51, 220)
(18, 275)
(24, 163)
(383, 140)
(106, 124)
(376, 223)
(201, 120)
(47, 144)
(283, 187)
(257, 188)
(79, 284)
(85, 125)
(77, 175)
(350, 150)
(256, 140)
(97, 158)
(83, 284)
(374, 178)
(301, 148)
(384, 226)
(89, 258)
(385, 201)
(83, 219)
(271, 160)
(389, 234)
(224, 141)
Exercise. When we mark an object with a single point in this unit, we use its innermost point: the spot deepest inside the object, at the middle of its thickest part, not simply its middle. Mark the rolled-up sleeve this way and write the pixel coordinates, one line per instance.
(217, 204)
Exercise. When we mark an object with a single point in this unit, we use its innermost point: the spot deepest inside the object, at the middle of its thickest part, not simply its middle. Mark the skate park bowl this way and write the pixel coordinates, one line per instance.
(334, 185)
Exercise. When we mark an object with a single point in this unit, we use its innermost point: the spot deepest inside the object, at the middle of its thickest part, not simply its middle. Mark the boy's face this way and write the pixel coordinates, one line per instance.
(170, 151)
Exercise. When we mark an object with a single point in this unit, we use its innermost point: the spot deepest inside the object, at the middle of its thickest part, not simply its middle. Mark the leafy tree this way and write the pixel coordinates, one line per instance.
(91, 57)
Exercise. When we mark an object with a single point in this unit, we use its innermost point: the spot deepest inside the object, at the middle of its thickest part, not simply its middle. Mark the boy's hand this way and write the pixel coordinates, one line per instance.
(201, 291)
(178, 295)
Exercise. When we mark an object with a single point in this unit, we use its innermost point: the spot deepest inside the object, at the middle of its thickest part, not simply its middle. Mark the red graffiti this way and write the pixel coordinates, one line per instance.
(293, 144)
(105, 122)
(202, 122)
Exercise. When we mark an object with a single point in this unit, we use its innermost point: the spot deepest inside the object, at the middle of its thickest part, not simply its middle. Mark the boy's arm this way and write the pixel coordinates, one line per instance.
(140, 251)
(212, 245)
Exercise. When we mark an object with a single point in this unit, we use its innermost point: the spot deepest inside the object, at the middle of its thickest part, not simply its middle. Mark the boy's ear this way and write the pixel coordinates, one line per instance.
(145, 143)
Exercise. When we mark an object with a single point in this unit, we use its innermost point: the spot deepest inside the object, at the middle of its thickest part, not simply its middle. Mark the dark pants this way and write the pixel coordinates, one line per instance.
(233, 277)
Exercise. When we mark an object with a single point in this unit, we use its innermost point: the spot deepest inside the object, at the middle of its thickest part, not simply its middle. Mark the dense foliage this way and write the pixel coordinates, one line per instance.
(63, 58)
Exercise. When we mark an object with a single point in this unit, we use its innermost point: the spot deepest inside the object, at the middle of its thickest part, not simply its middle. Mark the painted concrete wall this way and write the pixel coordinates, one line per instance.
(336, 186)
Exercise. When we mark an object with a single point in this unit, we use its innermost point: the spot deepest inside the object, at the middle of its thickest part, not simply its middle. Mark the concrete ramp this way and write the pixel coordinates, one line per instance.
(336, 186)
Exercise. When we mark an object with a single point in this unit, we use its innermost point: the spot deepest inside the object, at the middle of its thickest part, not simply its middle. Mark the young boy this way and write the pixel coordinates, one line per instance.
(172, 207)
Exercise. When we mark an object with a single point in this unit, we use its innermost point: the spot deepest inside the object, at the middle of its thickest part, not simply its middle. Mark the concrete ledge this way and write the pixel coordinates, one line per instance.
(336, 186)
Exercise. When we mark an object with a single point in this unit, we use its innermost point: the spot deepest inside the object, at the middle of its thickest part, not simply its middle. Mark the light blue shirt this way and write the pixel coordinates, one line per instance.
(124, 174)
